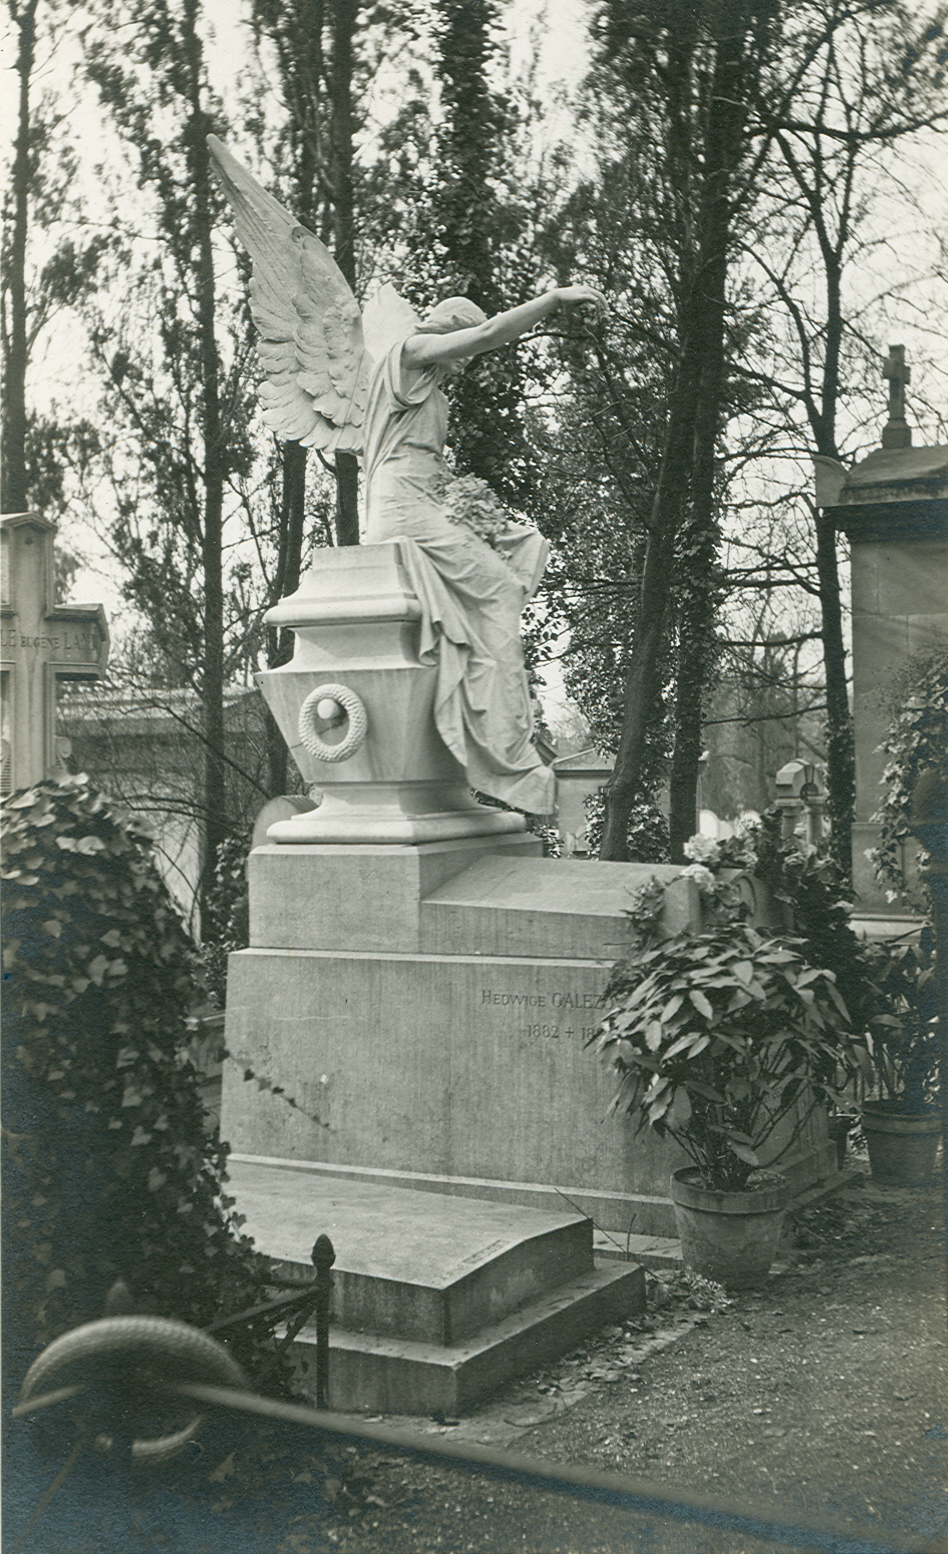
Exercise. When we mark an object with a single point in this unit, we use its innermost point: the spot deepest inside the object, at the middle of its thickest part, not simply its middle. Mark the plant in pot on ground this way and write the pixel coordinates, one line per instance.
(725, 1041)
(901, 1119)
(814, 900)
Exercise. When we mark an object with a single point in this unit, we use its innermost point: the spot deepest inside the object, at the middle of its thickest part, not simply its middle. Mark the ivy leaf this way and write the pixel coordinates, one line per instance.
(89, 845)
(97, 969)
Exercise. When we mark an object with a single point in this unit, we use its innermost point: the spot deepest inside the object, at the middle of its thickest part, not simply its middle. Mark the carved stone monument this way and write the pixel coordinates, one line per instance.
(893, 507)
(42, 643)
(420, 983)
(407, 1027)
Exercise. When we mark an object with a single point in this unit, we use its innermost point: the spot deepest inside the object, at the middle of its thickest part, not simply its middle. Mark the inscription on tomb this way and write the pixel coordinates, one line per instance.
(88, 643)
(568, 1004)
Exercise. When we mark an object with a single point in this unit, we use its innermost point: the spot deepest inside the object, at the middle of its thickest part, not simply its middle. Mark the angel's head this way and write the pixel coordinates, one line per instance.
(453, 313)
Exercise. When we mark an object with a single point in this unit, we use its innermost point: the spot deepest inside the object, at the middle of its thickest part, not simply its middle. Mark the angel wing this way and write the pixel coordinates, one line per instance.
(316, 367)
(387, 318)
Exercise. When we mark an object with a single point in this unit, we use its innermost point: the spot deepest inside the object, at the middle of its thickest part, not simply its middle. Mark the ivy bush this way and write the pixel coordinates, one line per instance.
(111, 1172)
(227, 913)
(916, 742)
(647, 836)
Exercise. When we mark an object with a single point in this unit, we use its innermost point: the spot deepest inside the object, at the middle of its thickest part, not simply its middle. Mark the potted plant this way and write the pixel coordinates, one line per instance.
(720, 1038)
(902, 1120)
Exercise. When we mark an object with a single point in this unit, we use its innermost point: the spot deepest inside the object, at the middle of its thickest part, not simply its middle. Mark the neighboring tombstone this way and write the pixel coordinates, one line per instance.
(893, 506)
(42, 643)
(578, 777)
(801, 800)
(144, 747)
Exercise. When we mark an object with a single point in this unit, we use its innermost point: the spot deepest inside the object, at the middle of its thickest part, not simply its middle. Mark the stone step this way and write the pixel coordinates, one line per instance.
(373, 1374)
(416, 1266)
(659, 1252)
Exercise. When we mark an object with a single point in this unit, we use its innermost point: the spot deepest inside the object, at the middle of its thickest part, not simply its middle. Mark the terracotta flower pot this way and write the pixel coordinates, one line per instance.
(730, 1237)
(903, 1146)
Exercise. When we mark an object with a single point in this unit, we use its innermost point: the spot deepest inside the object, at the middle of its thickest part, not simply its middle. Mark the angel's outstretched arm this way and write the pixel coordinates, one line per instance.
(423, 350)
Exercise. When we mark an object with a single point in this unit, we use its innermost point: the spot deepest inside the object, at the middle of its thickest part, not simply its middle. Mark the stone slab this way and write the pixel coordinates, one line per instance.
(504, 904)
(382, 1375)
(621, 1210)
(415, 1265)
(357, 897)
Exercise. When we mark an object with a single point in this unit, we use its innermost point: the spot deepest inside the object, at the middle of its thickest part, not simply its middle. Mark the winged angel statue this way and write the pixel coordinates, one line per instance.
(372, 384)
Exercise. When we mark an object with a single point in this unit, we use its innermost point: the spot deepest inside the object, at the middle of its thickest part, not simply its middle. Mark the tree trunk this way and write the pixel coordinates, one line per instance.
(840, 746)
(698, 592)
(695, 403)
(343, 15)
(287, 581)
(215, 815)
(13, 486)
(644, 677)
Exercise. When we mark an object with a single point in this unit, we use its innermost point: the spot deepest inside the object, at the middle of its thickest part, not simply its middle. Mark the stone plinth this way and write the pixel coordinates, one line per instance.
(426, 1009)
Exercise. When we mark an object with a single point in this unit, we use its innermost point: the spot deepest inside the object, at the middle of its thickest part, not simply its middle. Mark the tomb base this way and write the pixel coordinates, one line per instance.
(426, 1011)
(436, 1301)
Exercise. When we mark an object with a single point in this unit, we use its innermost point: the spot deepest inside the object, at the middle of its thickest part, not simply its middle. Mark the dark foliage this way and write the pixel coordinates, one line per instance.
(110, 1171)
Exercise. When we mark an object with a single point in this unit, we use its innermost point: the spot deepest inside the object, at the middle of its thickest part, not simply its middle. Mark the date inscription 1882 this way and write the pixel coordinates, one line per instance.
(568, 1005)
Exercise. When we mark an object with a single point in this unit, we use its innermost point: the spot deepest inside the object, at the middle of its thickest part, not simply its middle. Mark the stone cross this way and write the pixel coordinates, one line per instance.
(40, 643)
(896, 433)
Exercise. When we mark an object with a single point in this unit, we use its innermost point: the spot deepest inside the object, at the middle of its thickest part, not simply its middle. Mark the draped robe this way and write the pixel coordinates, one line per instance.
(471, 597)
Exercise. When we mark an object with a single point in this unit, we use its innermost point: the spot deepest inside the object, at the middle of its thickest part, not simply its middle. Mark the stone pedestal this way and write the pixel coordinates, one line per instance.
(426, 1008)
(355, 708)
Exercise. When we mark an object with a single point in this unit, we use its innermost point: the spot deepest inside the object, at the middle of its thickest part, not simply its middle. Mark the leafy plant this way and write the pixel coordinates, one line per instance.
(903, 1038)
(111, 1173)
(226, 920)
(718, 1037)
(815, 896)
(916, 742)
